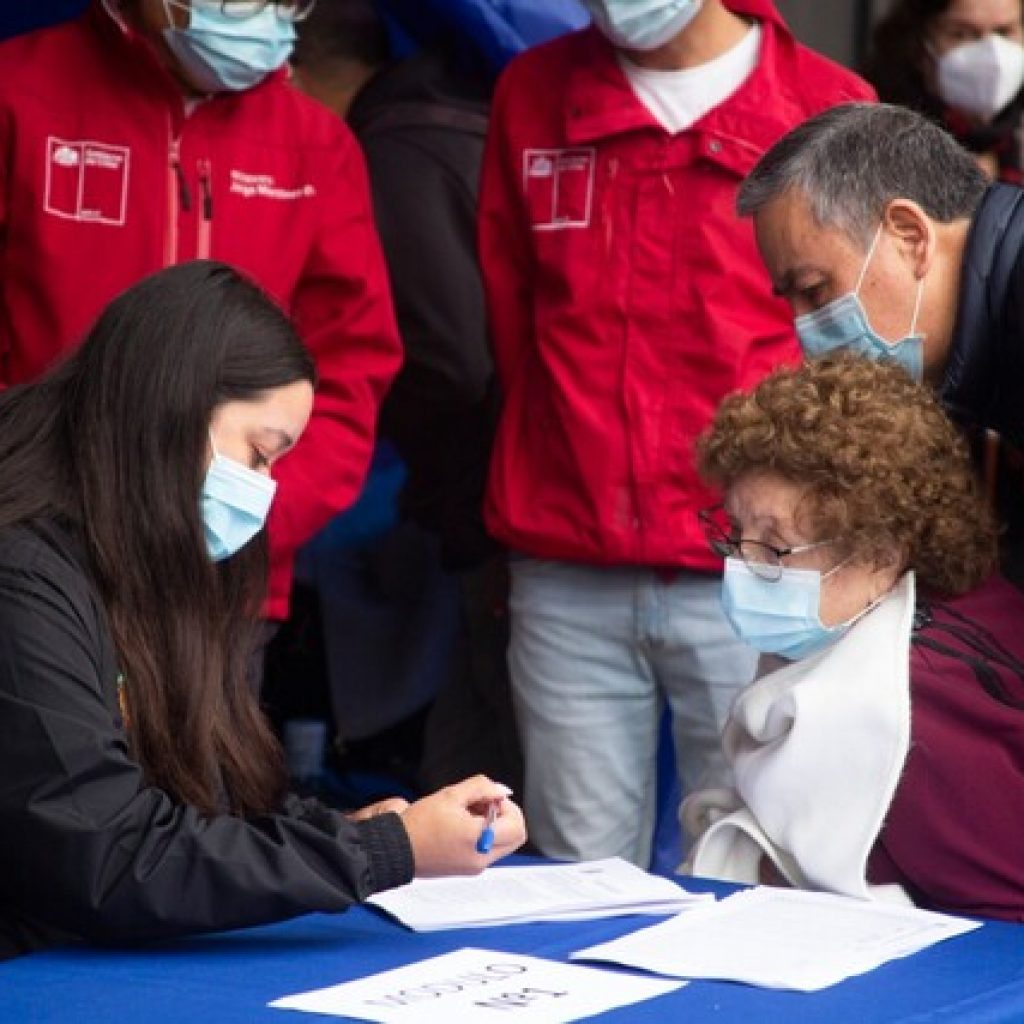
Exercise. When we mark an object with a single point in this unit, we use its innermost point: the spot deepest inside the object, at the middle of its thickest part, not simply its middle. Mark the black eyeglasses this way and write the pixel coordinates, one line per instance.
(764, 560)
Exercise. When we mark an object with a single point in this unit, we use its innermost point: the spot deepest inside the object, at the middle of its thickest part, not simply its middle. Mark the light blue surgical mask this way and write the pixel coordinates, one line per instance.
(779, 616)
(843, 323)
(232, 52)
(235, 502)
(642, 24)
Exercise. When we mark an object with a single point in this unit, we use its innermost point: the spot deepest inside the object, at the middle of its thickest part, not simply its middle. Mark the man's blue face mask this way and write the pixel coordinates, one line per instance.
(642, 24)
(843, 323)
(230, 52)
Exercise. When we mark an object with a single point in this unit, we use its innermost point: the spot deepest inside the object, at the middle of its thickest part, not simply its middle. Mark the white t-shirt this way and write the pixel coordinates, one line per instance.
(678, 99)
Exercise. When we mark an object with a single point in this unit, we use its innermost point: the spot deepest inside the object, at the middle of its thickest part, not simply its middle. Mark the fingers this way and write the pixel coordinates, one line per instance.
(509, 830)
(476, 792)
(446, 835)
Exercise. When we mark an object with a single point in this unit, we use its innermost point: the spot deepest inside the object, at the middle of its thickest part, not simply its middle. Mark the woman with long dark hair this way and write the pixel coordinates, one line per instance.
(142, 793)
(961, 63)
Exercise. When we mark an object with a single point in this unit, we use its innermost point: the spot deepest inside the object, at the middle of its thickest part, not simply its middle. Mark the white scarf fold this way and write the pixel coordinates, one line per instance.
(817, 749)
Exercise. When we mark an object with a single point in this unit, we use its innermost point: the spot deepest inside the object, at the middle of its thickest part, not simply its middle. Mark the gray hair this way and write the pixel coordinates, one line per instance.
(852, 160)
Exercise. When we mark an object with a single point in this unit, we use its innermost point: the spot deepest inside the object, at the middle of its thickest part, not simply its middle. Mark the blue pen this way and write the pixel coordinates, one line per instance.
(486, 840)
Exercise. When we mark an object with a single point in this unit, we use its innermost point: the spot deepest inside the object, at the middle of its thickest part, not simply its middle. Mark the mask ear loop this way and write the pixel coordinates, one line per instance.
(867, 260)
(917, 308)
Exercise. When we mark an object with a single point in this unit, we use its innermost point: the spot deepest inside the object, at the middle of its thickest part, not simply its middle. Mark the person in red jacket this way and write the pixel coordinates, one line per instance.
(626, 298)
(153, 132)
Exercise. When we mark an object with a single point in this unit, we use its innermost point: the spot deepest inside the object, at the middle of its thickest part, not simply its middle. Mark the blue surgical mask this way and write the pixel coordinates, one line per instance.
(779, 616)
(843, 323)
(235, 502)
(222, 52)
(642, 24)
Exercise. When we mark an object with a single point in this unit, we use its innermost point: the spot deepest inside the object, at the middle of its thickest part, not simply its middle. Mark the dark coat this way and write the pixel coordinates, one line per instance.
(88, 850)
(421, 123)
(984, 382)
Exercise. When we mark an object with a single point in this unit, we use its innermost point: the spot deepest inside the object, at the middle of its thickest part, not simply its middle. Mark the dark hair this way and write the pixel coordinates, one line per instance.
(113, 442)
(896, 59)
(345, 30)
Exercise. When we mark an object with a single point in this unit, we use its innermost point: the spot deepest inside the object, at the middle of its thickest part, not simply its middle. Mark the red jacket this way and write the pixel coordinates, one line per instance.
(626, 297)
(92, 130)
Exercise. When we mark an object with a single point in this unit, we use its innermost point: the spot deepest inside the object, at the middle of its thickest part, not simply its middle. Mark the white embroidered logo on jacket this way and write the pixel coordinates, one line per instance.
(559, 187)
(264, 186)
(87, 181)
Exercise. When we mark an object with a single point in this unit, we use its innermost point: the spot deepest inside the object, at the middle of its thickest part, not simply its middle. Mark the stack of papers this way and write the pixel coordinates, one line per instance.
(548, 892)
(780, 938)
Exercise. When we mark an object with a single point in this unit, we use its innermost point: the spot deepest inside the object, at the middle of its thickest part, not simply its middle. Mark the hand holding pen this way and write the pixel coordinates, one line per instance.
(463, 828)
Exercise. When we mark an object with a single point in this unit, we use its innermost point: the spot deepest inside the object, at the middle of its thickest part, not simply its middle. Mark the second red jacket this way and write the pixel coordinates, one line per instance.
(104, 179)
(626, 297)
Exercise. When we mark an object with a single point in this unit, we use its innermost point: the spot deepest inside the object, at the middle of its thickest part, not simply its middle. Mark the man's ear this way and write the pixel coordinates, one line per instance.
(915, 233)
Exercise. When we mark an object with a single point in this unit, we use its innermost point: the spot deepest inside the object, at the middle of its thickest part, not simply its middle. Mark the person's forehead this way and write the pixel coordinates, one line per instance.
(792, 239)
(983, 15)
(762, 494)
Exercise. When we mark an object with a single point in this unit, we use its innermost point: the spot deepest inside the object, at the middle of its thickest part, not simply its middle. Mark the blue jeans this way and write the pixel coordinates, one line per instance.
(595, 654)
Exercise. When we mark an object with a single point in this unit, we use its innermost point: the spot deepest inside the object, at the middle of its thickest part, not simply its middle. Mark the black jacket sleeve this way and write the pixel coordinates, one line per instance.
(442, 410)
(87, 849)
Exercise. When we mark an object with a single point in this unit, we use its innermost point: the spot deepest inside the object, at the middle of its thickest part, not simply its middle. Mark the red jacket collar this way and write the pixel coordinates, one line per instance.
(601, 101)
(116, 32)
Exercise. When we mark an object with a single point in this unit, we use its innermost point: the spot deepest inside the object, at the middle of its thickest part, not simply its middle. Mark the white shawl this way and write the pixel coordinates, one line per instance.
(817, 748)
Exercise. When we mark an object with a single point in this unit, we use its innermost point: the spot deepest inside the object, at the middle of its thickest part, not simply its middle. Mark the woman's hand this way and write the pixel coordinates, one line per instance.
(445, 827)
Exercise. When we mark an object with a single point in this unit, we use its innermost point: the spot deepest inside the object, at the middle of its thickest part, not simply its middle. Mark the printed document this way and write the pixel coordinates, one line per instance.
(471, 986)
(545, 892)
(780, 938)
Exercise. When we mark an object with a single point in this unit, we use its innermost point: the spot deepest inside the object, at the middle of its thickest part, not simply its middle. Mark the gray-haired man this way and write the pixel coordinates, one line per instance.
(886, 238)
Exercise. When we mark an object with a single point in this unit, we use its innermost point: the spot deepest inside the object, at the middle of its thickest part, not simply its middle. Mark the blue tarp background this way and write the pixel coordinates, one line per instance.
(499, 28)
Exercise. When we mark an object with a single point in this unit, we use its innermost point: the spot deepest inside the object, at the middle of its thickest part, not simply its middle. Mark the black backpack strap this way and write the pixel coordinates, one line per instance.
(988, 651)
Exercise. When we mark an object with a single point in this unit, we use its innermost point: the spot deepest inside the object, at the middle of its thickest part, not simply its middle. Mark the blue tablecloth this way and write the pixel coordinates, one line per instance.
(977, 978)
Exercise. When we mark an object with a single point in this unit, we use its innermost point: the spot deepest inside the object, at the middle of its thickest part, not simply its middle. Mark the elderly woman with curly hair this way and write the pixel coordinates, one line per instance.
(880, 752)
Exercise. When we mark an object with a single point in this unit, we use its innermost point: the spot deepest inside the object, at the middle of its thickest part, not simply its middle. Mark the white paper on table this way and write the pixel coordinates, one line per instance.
(472, 986)
(545, 892)
(780, 938)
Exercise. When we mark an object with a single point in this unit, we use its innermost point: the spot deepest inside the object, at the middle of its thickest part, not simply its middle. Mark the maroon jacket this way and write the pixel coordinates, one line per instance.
(954, 835)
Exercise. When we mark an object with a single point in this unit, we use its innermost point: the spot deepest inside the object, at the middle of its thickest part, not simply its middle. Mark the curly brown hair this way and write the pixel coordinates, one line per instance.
(883, 467)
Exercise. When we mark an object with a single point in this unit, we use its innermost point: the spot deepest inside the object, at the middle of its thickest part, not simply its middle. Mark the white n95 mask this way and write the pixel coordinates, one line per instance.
(981, 78)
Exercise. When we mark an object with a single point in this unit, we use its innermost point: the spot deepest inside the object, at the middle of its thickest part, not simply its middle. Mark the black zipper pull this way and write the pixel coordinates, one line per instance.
(204, 181)
(183, 189)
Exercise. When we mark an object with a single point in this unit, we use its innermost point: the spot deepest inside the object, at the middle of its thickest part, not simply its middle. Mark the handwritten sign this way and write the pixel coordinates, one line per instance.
(477, 985)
